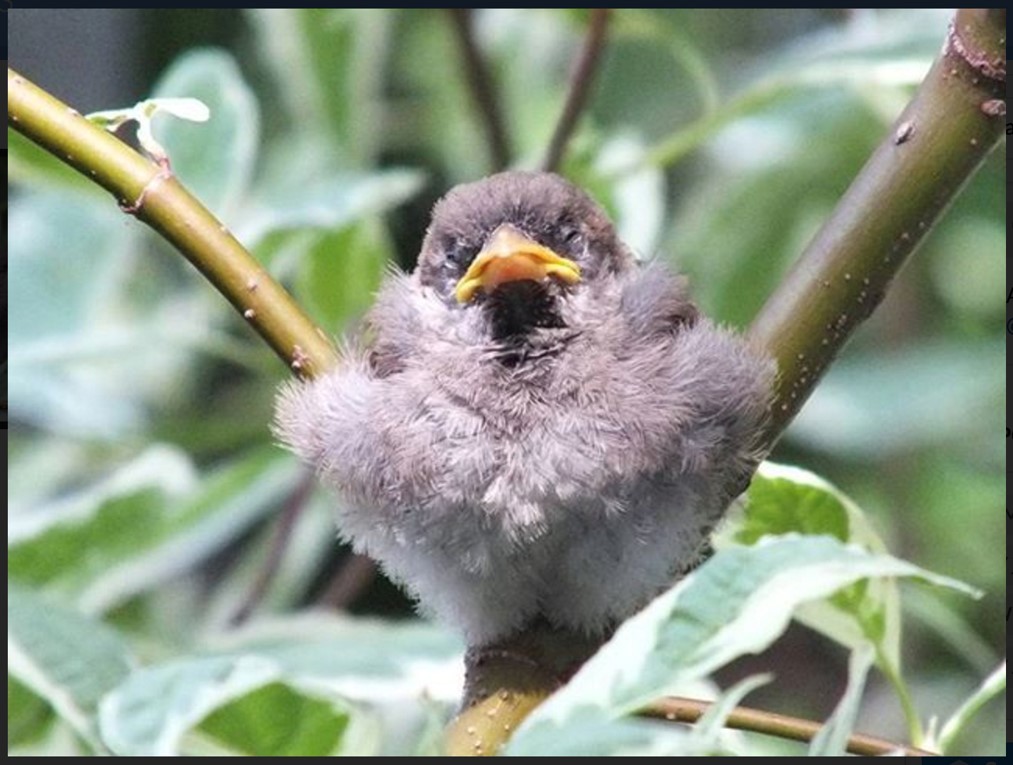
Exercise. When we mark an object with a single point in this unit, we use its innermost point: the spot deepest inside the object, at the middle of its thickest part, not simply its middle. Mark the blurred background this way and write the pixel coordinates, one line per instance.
(144, 487)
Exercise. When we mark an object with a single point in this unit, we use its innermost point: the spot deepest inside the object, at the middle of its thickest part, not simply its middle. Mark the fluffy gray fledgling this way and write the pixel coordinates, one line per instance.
(552, 448)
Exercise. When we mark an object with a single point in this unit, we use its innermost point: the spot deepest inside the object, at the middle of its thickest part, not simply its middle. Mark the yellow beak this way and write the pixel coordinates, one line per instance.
(510, 256)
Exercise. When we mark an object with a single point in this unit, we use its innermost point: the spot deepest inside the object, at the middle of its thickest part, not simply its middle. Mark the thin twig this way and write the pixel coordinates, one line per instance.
(294, 506)
(158, 199)
(581, 80)
(351, 579)
(483, 90)
(677, 709)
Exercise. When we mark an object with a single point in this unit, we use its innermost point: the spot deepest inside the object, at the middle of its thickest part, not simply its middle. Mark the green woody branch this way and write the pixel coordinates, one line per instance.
(934, 147)
(153, 194)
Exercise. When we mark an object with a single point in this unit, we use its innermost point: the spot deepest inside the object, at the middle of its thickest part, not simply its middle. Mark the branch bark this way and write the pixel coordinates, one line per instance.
(581, 80)
(154, 196)
(940, 139)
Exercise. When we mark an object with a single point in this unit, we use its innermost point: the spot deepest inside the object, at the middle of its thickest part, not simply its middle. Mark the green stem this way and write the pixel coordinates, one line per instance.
(916, 733)
(157, 198)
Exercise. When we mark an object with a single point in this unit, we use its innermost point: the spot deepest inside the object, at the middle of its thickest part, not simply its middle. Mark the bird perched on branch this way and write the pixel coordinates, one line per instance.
(533, 425)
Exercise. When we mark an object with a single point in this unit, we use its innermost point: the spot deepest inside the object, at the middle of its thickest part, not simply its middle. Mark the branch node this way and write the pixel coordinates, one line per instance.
(299, 358)
(164, 174)
(991, 67)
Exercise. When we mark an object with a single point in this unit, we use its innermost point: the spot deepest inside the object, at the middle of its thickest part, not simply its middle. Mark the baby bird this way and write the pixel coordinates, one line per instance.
(533, 426)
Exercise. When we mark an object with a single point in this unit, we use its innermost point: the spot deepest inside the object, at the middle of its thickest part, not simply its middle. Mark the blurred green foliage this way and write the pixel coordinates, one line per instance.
(143, 484)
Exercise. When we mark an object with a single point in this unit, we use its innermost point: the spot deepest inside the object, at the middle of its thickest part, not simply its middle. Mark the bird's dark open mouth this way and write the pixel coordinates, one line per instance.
(518, 282)
(516, 308)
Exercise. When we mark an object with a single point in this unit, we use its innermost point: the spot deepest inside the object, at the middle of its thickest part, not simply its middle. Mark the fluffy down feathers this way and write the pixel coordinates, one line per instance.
(571, 484)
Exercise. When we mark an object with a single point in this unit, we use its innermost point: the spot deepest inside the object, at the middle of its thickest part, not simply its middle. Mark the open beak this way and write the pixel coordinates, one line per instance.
(510, 256)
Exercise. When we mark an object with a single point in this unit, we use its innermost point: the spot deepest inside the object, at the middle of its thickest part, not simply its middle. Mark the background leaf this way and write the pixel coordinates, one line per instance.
(391, 677)
(63, 658)
(215, 159)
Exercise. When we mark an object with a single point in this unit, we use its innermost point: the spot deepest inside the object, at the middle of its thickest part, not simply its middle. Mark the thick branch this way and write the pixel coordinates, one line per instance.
(157, 198)
(483, 90)
(935, 145)
(581, 80)
(676, 709)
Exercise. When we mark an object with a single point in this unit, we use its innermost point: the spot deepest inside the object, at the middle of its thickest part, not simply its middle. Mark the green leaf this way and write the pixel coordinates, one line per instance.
(592, 735)
(783, 500)
(62, 252)
(341, 271)
(832, 739)
(737, 603)
(328, 66)
(143, 525)
(29, 717)
(296, 200)
(63, 658)
(215, 160)
(79, 326)
(379, 681)
(277, 720)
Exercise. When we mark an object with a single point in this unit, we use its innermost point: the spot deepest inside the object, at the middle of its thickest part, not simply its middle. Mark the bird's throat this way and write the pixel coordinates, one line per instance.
(517, 309)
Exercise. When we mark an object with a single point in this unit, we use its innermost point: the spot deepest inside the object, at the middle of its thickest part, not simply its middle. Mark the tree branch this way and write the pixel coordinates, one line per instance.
(953, 122)
(935, 145)
(581, 80)
(483, 90)
(677, 709)
(154, 196)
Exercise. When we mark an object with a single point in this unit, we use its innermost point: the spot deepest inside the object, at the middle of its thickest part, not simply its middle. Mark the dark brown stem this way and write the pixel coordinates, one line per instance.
(581, 80)
(294, 506)
(483, 90)
(677, 709)
(353, 576)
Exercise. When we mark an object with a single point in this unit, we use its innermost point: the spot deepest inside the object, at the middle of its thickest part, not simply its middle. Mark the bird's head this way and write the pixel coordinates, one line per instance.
(514, 247)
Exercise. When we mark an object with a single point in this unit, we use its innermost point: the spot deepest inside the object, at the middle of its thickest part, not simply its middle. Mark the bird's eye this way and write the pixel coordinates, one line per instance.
(570, 234)
(460, 254)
